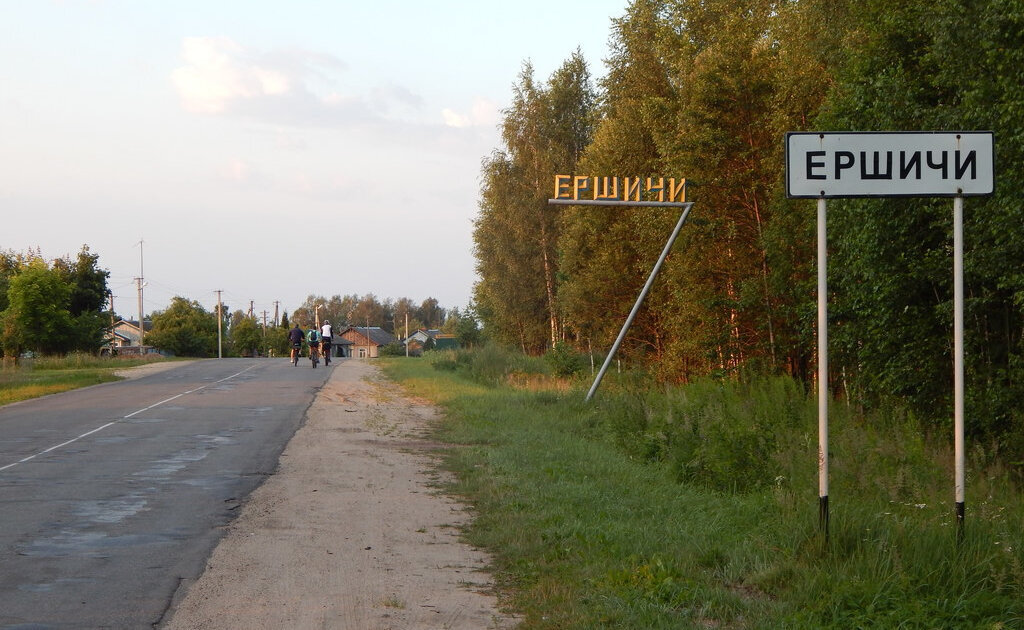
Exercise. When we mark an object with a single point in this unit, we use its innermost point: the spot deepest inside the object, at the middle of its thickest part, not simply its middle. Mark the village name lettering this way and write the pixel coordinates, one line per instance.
(599, 188)
(910, 164)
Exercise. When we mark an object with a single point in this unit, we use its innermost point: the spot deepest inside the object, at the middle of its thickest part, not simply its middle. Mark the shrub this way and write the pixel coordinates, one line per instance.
(448, 360)
(396, 349)
(491, 365)
(488, 365)
(563, 360)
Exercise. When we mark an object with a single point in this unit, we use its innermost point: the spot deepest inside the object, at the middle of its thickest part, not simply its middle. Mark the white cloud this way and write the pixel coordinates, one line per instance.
(453, 119)
(482, 112)
(218, 71)
(294, 87)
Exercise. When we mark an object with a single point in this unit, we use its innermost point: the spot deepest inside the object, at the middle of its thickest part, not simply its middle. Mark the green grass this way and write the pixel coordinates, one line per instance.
(697, 508)
(32, 378)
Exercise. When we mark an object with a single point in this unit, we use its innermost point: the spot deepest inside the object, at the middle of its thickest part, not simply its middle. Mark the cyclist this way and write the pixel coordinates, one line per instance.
(325, 341)
(313, 339)
(295, 336)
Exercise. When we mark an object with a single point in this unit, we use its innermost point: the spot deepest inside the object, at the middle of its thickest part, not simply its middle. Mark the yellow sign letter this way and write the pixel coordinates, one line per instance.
(562, 183)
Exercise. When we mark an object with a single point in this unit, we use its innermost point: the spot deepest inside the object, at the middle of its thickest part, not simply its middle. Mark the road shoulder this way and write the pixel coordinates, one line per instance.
(351, 531)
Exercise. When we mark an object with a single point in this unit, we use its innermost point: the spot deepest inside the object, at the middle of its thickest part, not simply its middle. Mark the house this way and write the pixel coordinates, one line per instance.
(126, 332)
(442, 341)
(365, 342)
(445, 341)
(125, 336)
(414, 342)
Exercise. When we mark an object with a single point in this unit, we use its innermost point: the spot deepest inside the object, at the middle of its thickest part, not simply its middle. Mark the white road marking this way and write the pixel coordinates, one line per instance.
(100, 428)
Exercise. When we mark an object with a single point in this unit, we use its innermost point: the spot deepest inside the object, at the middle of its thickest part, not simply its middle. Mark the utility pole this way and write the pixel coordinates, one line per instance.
(110, 294)
(142, 327)
(264, 332)
(407, 334)
(276, 321)
(252, 314)
(142, 323)
(220, 323)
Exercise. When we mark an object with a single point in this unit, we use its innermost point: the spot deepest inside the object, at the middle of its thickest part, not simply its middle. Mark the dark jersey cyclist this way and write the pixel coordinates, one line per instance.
(295, 336)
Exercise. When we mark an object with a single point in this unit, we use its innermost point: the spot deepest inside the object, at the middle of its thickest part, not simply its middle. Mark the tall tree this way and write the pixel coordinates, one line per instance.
(88, 301)
(607, 253)
(246, 335)
(510, 293)
(431, 313)
(545, 131)
(37, 316)
(892, 267)
(184, 328)
(368, 311)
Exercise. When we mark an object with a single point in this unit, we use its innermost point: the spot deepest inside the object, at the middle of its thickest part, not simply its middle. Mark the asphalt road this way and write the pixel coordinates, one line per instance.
(111, 495)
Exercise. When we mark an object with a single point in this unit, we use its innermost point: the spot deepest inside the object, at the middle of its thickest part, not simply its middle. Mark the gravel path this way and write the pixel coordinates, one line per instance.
(350, 532)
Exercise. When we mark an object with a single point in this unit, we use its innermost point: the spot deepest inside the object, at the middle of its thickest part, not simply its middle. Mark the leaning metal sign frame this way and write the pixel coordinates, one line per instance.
(585, 190)
(828, 165)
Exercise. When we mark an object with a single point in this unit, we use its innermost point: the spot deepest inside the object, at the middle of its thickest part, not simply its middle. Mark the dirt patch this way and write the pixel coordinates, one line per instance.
(351, 532)
(138, 371)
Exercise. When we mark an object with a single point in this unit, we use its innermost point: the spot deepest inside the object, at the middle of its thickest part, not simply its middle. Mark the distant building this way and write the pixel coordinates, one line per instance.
(442, 341)
(126, 332)
(365, 342)
(125, 337)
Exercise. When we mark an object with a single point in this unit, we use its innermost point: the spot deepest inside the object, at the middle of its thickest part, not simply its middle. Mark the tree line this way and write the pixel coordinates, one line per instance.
(248, 334)
(706, 90)
(187, 328)
(60, 306)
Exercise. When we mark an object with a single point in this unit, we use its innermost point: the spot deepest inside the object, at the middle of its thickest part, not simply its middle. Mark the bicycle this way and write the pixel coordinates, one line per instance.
(314, 355)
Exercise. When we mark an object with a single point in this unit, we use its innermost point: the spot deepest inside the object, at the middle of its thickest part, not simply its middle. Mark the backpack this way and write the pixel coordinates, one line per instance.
(312, 336)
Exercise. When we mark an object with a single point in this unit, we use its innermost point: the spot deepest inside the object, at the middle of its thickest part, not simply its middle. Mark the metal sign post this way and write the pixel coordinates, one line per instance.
(823, 392)
(958, 361)
(639, 300)
(891, 164)
(607, 191)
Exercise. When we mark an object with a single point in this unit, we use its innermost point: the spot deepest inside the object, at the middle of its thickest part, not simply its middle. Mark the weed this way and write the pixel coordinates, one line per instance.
(393, 601)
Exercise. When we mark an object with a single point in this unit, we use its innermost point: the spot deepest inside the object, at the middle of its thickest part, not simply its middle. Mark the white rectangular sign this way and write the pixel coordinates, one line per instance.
(889, 164)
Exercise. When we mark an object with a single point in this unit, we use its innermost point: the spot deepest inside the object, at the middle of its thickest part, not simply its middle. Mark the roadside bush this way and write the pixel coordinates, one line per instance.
(721, 435)
(448, 360)
(724, 435)
(392, 350)
(491, 365)
(564, 361)
(488, 364)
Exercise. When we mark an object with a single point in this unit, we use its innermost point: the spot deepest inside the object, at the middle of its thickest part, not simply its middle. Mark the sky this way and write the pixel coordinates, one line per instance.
(269, 150)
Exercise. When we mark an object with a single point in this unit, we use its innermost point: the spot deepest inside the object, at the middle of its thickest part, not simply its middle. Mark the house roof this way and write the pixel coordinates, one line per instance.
(420, 336)
(376, 335)
(134, 324)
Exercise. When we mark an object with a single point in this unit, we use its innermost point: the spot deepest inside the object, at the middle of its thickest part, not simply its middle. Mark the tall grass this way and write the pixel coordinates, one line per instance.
(697, 507)
(31, 378)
